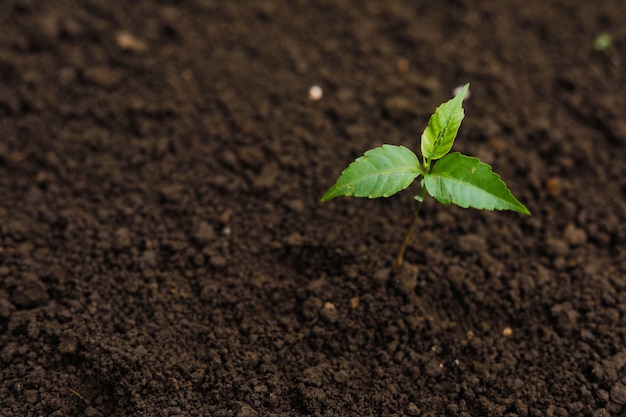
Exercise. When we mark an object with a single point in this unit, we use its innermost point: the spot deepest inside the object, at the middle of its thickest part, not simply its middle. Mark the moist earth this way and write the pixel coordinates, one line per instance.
(163, 250)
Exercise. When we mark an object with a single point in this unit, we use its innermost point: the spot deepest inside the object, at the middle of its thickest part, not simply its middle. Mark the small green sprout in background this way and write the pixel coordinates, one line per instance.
(447, 177)
(604, 43)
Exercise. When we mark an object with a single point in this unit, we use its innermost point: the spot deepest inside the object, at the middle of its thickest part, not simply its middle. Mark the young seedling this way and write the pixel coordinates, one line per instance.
(604, 43)
(448, 177)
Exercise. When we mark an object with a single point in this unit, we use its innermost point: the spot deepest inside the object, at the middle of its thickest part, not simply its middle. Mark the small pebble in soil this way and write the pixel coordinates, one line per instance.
(329, 312)
(128, 42)
(315, 93)
(553, 186)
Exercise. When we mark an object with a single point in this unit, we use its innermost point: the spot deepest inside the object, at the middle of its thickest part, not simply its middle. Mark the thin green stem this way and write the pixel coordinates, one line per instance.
(409, 232)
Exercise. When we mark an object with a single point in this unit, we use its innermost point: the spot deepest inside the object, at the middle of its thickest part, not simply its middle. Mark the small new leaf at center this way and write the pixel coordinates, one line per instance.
(443, 126)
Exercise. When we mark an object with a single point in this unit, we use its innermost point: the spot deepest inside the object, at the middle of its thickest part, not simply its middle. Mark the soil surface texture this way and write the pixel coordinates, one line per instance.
(163, 250)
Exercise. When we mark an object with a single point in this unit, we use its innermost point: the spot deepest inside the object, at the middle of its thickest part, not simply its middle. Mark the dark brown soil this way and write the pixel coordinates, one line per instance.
(163, 251)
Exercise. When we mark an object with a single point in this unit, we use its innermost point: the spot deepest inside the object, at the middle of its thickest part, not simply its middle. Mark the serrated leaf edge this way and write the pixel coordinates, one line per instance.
(329, 194)
(516, 206)
(432, 153)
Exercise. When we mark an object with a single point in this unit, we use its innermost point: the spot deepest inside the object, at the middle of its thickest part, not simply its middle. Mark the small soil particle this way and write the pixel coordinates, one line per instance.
(618, 393)
(329, 312)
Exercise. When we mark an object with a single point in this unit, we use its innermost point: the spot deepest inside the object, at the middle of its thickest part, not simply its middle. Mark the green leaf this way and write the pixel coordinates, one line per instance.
(467, 182)
(439, 135)
(380, 172)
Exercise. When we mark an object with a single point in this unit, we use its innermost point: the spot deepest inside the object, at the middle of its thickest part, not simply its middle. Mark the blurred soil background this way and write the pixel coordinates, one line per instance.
(163, 251)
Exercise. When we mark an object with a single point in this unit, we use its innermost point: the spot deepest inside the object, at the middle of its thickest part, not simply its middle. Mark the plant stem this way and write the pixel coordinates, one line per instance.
(409, 232)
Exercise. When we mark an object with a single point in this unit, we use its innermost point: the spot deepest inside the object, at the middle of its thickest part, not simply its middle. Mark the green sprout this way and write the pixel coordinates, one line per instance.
(603, 42)
(447, 177)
